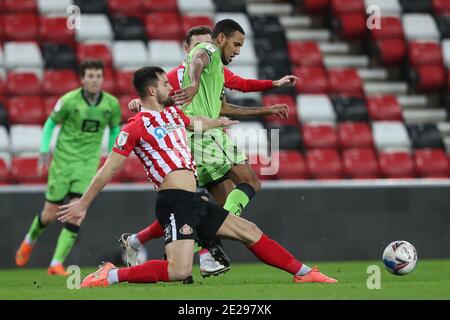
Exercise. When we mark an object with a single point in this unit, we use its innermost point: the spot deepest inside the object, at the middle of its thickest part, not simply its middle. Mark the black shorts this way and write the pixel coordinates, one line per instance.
(185, 215)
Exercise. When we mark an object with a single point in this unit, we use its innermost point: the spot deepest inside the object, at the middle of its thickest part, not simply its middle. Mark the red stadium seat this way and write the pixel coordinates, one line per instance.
(125, 112)
(23, 84)
(54, 30)
(188, 22)
(109, 80)
(396, 165)
(58, 82)
(315, 5)
(354, 135)
(4, 172)
(353, 25)
(311, 80)
(292, 165)
(429, 77)
(94, 51)
(22, 6)
(431, 163)
(127, 8)
(324, 164)
(20, 27)
(360, 163)
(118, 177)
(172, 27)
(347, 6)
(319, 136)
(125, 82)
(345, 82)
(384, 108)
(391, 28)
(421, 53)
(25, 110)
(305, 54)
(441, 7)
(2, 87)
(258, 162)
(2, 28)
(25, 170)
(134, 170)
(48, 105)
(391, 51)
(161, 5)
(272, 99)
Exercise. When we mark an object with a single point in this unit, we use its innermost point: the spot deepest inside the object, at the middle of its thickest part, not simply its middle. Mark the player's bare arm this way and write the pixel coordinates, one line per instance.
(231, 110)
(200, 124)
(77, 210)
(196, 66)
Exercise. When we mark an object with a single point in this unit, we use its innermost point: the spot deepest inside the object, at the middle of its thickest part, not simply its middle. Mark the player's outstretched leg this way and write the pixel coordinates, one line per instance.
(66, 240)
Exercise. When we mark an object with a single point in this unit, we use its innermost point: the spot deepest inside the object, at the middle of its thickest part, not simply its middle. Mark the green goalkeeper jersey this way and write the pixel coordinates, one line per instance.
(82, 126)
(208, 100)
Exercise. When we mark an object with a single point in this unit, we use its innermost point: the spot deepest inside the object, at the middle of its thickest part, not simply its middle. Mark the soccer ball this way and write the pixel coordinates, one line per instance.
(400, 257)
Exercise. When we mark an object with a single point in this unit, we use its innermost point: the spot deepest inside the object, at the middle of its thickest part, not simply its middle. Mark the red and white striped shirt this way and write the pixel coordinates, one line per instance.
(159, 140)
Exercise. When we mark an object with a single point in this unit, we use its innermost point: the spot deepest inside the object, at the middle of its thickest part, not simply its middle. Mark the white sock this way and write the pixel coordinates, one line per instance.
(205, 256)
(54, 263)
(113, 276)
(303, 270)
(134, 241)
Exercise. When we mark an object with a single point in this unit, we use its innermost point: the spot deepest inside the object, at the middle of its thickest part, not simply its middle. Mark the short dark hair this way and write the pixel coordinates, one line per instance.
(227, 27)
(196, 31)
(146, 77)
(90, 64)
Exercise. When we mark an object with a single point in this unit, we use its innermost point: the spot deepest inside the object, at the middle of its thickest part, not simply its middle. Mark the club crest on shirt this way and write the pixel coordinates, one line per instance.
(186, 230)
(122, 139)
(160, 132)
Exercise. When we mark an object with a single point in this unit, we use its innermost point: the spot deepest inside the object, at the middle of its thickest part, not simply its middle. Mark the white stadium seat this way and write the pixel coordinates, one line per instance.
(4, 140)
(247, 55)
(161, 52)
(94, 27)
(53, 7)
(1, 57)
(22, 55)
(250, 137)
(247, 72)
(420, 26)
(315, 108)
(240, 18)
(446, 52)
(386, 6)
(199, 7)
(129, 54)
(390, 136)
(25, 139)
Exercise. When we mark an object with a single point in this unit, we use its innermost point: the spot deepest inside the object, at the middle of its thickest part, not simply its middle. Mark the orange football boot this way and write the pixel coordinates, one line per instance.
(23, 254)
(314, 276)
(57, 270)
(99, 278)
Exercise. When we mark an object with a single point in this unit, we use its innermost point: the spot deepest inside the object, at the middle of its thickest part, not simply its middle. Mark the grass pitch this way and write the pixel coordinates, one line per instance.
(430, 280)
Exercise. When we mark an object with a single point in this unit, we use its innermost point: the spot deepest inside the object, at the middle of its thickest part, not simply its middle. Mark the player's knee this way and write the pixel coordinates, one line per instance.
(251, 232)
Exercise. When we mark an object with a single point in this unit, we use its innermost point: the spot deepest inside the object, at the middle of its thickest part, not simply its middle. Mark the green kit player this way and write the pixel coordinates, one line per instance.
(83, 113)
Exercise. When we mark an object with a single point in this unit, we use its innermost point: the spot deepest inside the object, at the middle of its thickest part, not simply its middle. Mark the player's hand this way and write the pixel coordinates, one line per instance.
(74, 212)
(225, 122)
(43, 163)
(280, 110)
(185, 95)
(286, 81)
(135, 105)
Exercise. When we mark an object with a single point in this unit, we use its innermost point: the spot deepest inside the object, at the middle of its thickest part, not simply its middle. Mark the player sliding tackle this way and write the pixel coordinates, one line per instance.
(158, 137)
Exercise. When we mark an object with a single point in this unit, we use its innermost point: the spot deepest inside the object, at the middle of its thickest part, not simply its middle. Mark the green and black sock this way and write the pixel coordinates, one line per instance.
(238, 199)
(66, 240)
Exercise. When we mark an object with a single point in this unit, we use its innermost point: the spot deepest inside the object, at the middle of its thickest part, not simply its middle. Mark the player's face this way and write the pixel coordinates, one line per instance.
(232, 47)
(163, 89)
(92, 80)
(196, 40)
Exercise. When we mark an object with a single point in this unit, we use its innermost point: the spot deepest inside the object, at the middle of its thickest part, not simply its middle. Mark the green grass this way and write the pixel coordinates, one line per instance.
(430, 280)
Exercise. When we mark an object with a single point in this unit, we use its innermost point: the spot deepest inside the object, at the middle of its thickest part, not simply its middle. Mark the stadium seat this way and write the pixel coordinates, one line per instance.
(311, 80)
(160, 5)
(109, 80)
(3, 115)
(240, 18)
(48, 104)
(416, 5)
(360, 163)
(230, 6)
(273, 70)
(126, 113)
(189, 21)
(446, 52)
(425, 136)
(124, 82)
(4, 172)
(129, 54)
(128, 28)
(390, 136)
(444, 25)
(25, 138)
(384, 108)
(268, 27)
(59, 56)
(431, 163)
(24, 6)
(386, 6)
(247, 56)
(272, 99)
(425, 53)
(284, 137)
(440, 7)
(196, 7)
(134, 170)
(95, 27)
(315, 109)
(354, 135)
(25, 110)
(345, 82)
(58, 82)
(314, 6)
(395, 165)
(24, 170)
(391, 51)
(127, 8)
(22, 55)
(23, 84)
(292, 165)
(165, 52)
(391, 28)
(306, 54)
(250, 137)
(319, 136)
(54, 30)
(324, 164)
(428, 77)
(1, 32)
(119, 175)
(339, 7)
(89, 6)
(350, 108)
(94, 51)
(20, 27)
(352, 25)
(271, 50)
(247, 72)
(5, 144)
(420, 26)
(58, 7)
(172, 26)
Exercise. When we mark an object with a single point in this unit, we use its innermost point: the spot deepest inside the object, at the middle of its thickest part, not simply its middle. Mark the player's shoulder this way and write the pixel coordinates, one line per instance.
(209, 47)
(71, 95)
(109, 97)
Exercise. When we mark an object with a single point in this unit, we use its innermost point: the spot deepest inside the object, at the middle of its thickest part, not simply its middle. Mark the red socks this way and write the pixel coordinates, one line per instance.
(273, 254)
(153, 231)
(150, 271)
